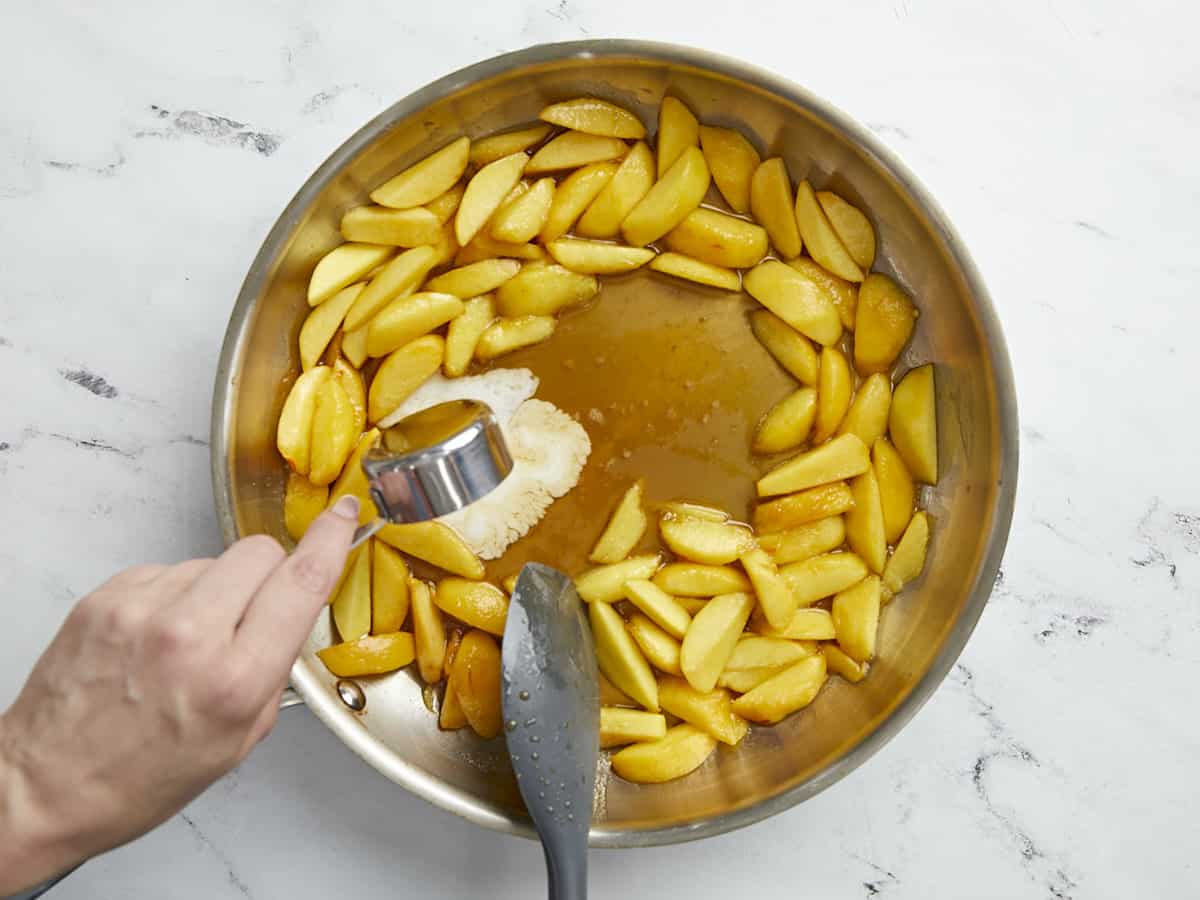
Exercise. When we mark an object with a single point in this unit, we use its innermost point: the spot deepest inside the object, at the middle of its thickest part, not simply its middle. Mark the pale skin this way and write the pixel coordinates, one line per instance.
(159, 682)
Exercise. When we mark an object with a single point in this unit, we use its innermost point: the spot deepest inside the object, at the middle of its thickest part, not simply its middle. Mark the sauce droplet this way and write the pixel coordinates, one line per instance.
(524, 695)
(534, 755)
(535, 739)
(510, 725)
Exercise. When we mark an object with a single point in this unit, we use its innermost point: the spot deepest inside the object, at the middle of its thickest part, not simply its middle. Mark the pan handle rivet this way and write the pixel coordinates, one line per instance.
(352, 695)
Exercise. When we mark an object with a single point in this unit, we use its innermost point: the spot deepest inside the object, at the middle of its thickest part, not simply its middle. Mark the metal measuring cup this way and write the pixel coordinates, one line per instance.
(435, 462)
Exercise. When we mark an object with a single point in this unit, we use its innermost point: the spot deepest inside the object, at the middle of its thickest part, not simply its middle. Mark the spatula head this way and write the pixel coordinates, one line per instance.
(551, 703)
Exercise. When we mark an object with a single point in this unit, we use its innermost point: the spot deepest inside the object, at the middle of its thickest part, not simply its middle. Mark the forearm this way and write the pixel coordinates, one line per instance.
(33, 848)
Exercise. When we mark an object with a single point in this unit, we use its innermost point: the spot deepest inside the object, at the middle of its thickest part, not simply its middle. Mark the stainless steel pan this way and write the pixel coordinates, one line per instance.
(923, 631)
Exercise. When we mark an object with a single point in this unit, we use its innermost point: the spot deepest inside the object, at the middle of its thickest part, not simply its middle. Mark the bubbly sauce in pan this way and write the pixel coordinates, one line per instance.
(669, 382)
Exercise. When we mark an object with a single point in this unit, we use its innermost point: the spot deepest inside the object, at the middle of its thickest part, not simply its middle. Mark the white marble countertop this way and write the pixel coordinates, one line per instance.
(1057, 761)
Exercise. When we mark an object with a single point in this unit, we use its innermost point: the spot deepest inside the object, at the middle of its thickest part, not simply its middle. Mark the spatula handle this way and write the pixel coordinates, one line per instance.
(566, 870)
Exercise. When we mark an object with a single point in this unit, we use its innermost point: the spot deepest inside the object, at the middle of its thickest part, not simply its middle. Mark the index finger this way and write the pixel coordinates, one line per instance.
(282, 611)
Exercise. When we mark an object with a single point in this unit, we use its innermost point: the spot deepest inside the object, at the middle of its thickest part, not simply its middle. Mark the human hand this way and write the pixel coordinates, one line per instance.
(159, 682)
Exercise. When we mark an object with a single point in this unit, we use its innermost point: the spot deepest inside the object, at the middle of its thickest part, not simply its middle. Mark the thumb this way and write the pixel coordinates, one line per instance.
(282, 612)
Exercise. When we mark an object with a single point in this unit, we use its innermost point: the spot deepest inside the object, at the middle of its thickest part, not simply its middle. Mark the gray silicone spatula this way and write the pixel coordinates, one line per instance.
(551, 703)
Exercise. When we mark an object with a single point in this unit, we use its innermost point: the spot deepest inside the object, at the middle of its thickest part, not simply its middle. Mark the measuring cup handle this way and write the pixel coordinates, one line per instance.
(366, 532)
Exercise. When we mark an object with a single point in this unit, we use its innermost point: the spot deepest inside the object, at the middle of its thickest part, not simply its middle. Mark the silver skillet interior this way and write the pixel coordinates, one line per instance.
(923, 632)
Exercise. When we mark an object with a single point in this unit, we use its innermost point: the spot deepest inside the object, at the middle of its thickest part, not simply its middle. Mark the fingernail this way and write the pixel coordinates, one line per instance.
(347, 508)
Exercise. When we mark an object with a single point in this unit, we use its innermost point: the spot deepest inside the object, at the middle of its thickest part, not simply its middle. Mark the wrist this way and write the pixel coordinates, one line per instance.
(34, 848)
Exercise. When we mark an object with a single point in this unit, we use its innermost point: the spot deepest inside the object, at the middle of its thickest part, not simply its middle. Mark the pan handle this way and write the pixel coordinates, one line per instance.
(290, 698)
